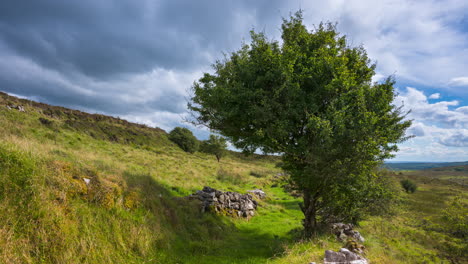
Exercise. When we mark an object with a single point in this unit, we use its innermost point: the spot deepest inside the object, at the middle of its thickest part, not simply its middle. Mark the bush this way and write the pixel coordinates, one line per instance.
(45, 121)
(184, 138)
(408, 185)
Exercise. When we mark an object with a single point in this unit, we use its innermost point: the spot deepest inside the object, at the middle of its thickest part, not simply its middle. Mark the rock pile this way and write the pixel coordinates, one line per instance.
(344, 256)
(17, 107)
(226, 203)
(345, 232)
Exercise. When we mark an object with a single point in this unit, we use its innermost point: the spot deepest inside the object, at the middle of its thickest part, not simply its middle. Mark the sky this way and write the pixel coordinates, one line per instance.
(138, 59)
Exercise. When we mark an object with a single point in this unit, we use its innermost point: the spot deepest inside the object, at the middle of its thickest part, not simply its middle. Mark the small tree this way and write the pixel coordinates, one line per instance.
(185, 139)
(312, 100)
(216, 145)
(408, 185)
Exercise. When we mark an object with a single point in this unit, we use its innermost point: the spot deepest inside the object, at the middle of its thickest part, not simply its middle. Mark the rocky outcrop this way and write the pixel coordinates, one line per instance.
(345, 232)
(344, 256)
(17, 107)
(226, 203)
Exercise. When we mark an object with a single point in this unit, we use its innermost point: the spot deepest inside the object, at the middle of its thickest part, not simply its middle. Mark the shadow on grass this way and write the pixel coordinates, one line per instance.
(189, 236)
(287, 204)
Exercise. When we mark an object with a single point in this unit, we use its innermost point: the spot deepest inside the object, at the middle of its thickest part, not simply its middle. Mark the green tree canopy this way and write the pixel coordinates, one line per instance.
(216, 145)
(312, 100)
(185, 139)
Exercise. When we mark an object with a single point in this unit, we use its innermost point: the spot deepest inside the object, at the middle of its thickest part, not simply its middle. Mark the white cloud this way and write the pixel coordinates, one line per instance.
(434, 96)
(463, 109)
(459, 81)
(458, 139)
(419, 41)
(438, 113)
(441, 133)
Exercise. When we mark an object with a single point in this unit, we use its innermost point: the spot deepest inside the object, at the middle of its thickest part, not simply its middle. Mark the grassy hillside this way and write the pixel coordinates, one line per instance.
(133, 210)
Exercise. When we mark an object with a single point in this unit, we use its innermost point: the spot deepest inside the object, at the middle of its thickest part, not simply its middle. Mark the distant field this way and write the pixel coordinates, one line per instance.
(399, 166)
(457, 174)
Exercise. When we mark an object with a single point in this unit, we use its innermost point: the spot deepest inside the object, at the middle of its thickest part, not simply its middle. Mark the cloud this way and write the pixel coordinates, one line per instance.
(438, 113)
(157, 90)
(440, 130)
(417, 130)
(460, 139)
(136, 59)
(418, 41)
(459, 81)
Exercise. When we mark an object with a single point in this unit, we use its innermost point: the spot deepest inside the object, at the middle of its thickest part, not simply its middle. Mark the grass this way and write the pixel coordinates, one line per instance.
(133, 210)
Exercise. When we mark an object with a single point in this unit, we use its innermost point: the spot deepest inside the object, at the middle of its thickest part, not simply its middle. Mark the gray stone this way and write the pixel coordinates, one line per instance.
(345, 231)
(344, 256)
(242, 204)
(259, 193)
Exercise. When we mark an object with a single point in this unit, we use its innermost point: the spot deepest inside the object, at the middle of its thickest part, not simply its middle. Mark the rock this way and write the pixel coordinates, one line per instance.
(345, 231)
(208, 189)
(86, 180)
(355, 246)
(259, 193)
(344, 256)
(17, 107)
(229, 203)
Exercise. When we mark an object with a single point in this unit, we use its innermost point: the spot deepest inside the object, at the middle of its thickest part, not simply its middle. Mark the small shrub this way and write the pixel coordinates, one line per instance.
(409, 186)
(45, 121)
(184, 138)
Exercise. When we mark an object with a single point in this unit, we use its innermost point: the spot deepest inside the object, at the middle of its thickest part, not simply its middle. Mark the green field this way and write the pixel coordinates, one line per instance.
(134, 210)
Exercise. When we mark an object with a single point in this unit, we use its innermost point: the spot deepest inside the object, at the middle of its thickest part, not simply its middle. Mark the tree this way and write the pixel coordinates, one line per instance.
(184, 138)
(216, 145)
(312, 100)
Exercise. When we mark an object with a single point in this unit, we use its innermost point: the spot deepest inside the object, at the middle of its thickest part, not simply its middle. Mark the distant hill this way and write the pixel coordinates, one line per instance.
(398, 166)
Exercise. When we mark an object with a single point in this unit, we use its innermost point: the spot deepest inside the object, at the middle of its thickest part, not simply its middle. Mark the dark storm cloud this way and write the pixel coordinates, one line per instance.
(101, 55)
(102, 39)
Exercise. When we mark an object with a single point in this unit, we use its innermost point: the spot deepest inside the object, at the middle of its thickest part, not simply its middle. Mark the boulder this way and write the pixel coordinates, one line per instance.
(259, 193)
(344, 256)
(345, 231)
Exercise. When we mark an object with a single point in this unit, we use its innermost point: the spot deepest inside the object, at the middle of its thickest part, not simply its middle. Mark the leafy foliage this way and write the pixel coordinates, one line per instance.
(456, 218)
(312, 100)
(185, 139)
(216, 145)
(408, 185)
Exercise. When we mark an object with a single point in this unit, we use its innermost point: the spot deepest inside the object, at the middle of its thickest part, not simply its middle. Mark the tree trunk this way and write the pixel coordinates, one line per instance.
(310, 214)
(218, 157)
